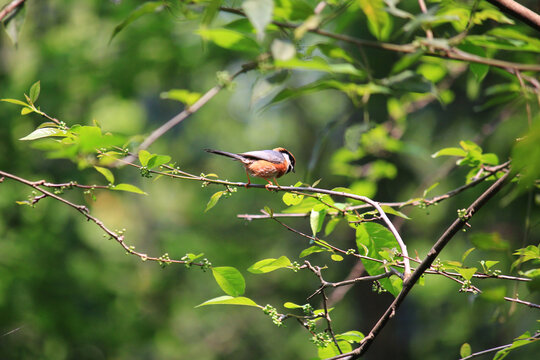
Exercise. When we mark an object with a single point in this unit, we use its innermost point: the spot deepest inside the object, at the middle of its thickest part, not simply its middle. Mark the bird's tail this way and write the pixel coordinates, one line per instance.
(225, 153)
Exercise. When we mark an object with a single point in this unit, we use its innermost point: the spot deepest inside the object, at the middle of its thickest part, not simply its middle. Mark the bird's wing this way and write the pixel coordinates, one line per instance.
(268, 155)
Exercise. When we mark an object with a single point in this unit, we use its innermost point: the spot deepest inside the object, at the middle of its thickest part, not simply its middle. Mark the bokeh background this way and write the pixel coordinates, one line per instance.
(66, 292)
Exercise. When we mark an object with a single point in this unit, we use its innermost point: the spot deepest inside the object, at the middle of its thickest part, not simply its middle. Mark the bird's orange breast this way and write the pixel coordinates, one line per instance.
(266, 169)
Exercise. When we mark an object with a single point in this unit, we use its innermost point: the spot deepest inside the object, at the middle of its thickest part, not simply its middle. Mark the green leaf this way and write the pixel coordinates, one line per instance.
(524, 339)
(310, 250)
(526, 157)
(376, 238)
(141, 10)
(331, 349)
(230, 39)
(331, 225)
(268, 265)
(336, 257)
(490, 159)
(230, 280)
(15, 101)
(292, 199)
(317, 64)
(229, 300)
(184, 96)
(26, 110)
(392, 211)
(379, 21)
(352, 336)
(316, 220)
(128, 188)
(479, 70)
(466, 254)
(429, 189)
(465, 350)
(451, 151)
(406, 61)
(259, 13)
(290, 305)
(214, 200)
(34, 91)
(489, 241)
(210, 12)
(105, 172)
(467, 273)
(157, 160)
(144, 156)
(44, 132)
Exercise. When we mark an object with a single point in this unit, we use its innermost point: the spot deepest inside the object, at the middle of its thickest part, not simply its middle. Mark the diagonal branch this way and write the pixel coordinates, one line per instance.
(519, 11)
(188, 111)
(408, 284)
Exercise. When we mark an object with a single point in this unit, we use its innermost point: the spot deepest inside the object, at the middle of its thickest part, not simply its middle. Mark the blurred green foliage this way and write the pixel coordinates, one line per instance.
(360, 118)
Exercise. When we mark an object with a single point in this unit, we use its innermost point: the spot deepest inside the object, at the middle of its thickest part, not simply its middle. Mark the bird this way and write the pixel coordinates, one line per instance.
(266, 164)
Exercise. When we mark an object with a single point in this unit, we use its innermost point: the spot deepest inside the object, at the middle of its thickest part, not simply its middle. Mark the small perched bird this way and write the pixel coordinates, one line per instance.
(266, 164)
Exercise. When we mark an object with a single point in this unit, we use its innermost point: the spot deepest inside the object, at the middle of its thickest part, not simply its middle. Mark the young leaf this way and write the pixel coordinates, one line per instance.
(144, 156)
(429, 189)
(467, 273)
(214, 200)
(292, 199)
(316, 220)
(290, 305)
(184, 96)
(230, 280)
(157, 160)
(105, 172)
(15, 101)
(34, 91)
(311, 250)
(379, 21)
(375, 238)
(466, 253)
(465, 350)
(336, 257)
(450, 152)
(26, 110)
(143, 9)
(268, 265)
(331, 225)
(229, 300)
(44, 132)
(129, 188)
(352, 336)
(230, 39)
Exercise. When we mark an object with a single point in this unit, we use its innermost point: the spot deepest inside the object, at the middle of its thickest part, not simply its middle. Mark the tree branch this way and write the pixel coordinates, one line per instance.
(434, 49)
(519, 11)
(10, 7)
(426, 263)
(188, 111)
(116, 235)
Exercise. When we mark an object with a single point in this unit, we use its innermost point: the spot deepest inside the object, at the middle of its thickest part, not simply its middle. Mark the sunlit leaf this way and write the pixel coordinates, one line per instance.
(316, 220)
(230, 280)
(230, 39)
(34, 91)
(105, 172)
(144, 156)
(214, 200)
(379, 21)
(465, 350)
(292, 199)
(229, 300)
(129, 188)
(44, 132)
(268, 265)
(184, 96)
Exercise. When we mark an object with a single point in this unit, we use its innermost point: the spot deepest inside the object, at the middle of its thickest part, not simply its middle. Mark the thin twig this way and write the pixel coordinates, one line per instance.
(535, 337)
(452, 53)
(529, 304)
(84, 210)
(425, 265)
(188, 111)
